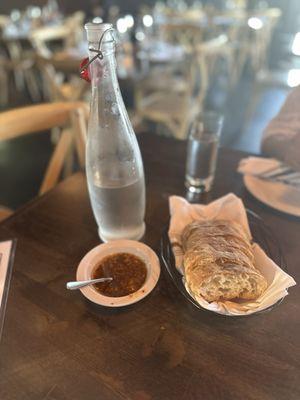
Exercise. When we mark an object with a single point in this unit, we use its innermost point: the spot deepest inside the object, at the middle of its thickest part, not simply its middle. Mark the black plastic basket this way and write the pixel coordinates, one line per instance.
(261, 235)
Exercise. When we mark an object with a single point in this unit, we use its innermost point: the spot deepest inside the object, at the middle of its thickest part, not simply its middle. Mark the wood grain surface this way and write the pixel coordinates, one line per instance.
(57, 345)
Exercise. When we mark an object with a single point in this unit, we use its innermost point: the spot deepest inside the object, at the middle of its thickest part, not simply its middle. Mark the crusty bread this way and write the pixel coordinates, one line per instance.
(219, 262)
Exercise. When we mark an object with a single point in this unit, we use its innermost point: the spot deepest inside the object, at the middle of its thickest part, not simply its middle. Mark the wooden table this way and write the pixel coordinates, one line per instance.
(57, 345)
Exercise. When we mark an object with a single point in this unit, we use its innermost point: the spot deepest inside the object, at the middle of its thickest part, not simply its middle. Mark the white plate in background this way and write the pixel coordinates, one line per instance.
(276, 195)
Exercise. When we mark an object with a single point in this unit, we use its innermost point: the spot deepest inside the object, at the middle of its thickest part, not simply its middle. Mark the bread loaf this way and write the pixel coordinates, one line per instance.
(219, 262)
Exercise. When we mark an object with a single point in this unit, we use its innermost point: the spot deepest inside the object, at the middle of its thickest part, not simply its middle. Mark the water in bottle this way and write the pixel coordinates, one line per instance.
(114, 165)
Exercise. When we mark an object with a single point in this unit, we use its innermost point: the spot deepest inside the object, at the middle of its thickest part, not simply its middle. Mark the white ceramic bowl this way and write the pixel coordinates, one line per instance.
(92, 259)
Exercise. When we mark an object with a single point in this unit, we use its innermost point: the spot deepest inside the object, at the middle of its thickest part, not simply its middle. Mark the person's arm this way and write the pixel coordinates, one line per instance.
(283, 148)
(281, 138)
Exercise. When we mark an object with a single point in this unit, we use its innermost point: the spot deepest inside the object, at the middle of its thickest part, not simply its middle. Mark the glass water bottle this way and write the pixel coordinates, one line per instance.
(114, 165)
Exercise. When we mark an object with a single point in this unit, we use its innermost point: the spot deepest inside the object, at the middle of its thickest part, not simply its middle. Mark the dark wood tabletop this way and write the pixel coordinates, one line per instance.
(57, 345)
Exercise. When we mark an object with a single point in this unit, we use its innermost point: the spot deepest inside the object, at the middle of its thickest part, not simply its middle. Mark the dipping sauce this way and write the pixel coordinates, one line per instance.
(128, 271)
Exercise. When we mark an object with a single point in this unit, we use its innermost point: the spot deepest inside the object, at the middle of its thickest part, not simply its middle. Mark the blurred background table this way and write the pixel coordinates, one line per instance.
(57, 345)
(174, 59)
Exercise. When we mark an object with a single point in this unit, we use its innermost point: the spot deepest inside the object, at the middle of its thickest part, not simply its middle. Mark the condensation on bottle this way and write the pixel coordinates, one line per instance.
(114, 165)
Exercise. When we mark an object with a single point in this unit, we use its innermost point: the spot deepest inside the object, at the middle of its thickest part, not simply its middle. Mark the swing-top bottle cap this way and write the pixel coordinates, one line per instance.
(96, 30)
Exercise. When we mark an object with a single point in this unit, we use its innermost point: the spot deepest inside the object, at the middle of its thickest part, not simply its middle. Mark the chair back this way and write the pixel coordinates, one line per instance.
(55, 86)
(4, 22)
(202, 68)
(70, 117)
(75, 23)
(187, 35)
(51, 87)
(260, 39)
(41, 38)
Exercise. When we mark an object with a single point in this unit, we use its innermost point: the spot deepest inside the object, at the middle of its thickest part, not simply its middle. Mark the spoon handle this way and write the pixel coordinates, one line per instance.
(79, 284)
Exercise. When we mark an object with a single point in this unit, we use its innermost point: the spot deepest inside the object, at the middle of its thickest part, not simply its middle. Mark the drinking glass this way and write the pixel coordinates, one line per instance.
(202, 152)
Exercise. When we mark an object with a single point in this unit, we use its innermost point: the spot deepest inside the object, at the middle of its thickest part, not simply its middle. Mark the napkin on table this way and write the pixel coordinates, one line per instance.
(231, 208)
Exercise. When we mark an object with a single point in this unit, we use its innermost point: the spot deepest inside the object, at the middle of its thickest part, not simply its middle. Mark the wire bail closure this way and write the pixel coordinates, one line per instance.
(99, 53)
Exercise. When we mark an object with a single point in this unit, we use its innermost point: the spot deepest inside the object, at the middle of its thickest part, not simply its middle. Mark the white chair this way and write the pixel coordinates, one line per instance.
(19, 61)
(42, 37)
(176, 111)
(174, 74)
(260, 39)
(56, 87)
(4, 76)
(187, 35)
(75, 23)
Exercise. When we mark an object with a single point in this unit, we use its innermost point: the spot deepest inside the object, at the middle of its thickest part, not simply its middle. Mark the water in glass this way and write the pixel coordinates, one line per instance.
(202, 152)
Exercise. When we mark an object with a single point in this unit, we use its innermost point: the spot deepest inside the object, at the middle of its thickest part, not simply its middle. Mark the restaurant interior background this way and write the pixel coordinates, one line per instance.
(247, 60)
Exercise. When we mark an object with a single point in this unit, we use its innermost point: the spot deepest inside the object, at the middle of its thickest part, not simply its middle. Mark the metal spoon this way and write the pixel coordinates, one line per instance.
(79, 284)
